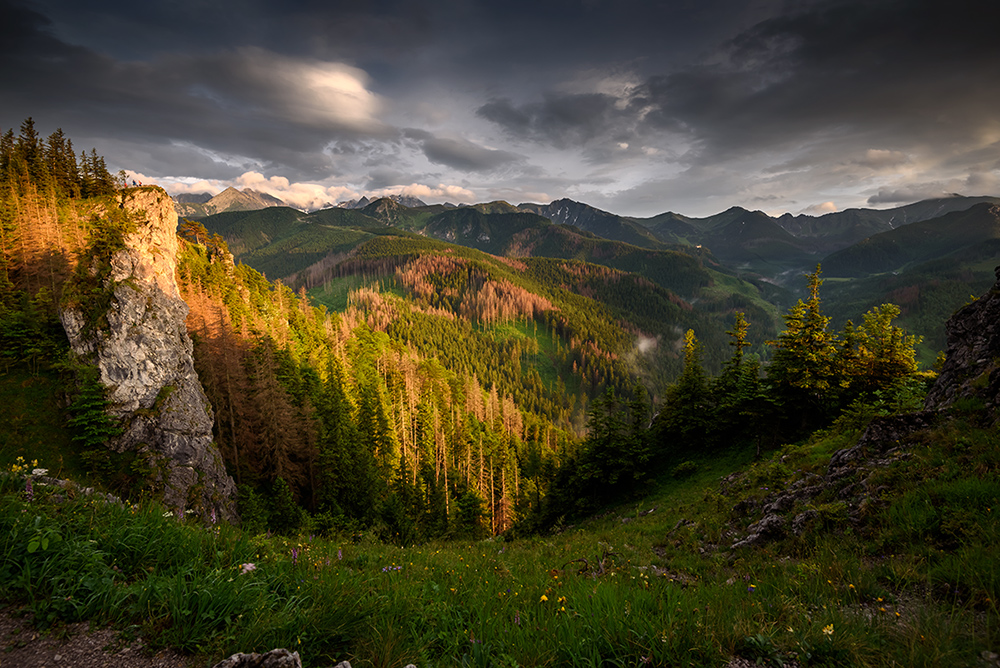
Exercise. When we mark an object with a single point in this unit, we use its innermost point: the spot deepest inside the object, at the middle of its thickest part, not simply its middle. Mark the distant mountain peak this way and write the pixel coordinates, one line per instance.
(192, 198)
(402, 200)
(248, 199)
(230, 199)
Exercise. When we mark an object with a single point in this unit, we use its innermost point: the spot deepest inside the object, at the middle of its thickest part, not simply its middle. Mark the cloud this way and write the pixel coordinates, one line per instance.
(820, 209)
(223, 112)
(881, 159)
(462, 154)
(833, 72)
(645, 344)
(300, 195)
(562, 120)
(310, 92)
(907, 194)
(177, 187)
(634, 107)
(440, 192)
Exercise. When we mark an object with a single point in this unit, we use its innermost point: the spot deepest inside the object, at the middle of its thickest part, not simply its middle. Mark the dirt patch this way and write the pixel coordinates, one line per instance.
(76, 646)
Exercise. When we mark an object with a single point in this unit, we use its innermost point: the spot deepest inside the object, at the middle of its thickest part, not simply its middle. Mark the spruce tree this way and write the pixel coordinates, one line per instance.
(686, 418)
(803, 373)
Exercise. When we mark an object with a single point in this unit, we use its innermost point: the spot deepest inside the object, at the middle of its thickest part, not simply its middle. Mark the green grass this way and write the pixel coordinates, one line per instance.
(915, 585)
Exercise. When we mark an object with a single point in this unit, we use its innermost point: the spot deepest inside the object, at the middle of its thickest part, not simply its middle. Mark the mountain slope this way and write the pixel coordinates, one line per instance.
(917, 242)
(601, 223)
(844, 228)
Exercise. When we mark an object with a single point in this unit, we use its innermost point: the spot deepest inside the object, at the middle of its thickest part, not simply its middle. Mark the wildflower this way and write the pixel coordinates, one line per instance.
(340, 554)
(29, 491)
(247, 567)
(751, 589)
(543, 598)
(212, 516)
(828, 630)
(39, 471)
(169, 513)
(295, 555)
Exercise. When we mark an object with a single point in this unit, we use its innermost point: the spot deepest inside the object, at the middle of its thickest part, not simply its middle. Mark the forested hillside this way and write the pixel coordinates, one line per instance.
(417, 388)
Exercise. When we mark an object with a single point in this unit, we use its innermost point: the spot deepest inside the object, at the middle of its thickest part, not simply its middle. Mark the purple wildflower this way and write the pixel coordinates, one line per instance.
(29, 491)
(295, 555)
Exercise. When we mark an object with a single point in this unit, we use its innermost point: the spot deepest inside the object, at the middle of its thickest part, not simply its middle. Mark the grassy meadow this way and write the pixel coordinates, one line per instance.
(648, 583)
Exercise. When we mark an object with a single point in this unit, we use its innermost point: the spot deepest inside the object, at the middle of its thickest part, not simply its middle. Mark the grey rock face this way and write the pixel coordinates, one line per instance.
(972, 366)
(145, 357)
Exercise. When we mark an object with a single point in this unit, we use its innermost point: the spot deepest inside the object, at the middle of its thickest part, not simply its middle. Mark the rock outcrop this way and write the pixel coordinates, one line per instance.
(972, 367)
(971, 374)
(144, 355)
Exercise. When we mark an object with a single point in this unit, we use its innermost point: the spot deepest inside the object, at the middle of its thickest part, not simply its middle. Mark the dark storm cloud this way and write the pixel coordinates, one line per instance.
(884, 72)
(846, 77)
(335, 29)
(385, 177)
(688, 101)
(464, 155)
(249, 108)
(559, 120)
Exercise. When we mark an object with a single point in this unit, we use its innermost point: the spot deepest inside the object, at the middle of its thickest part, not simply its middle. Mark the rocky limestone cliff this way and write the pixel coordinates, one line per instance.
(145, 358)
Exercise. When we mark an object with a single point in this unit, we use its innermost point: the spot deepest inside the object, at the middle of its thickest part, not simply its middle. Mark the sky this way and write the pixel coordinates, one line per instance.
(690, 106)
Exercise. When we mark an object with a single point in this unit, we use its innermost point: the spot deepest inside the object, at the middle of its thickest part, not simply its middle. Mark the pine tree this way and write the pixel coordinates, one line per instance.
(686, 417)
(884, 355)
(741, 404)
(803, 373)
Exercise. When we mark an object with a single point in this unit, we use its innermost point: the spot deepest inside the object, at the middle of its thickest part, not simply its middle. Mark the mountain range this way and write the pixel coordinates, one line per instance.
(934, 252)
(751, 242)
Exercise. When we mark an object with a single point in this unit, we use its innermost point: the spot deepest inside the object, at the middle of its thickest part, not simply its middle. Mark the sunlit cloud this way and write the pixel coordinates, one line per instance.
(440, 192)
(298, 195)
(305, 91)
(820, 209)
(879, 159)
